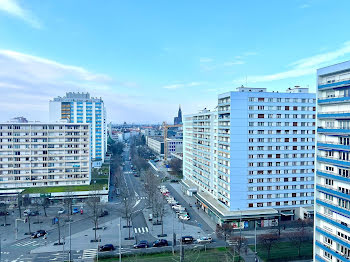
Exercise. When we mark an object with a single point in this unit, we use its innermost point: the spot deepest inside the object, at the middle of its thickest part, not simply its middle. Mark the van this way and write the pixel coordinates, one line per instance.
(150, 217)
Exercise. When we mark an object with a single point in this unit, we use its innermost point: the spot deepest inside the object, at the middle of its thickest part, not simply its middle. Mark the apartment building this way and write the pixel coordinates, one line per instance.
(44, 154)
(81, 108)
(156, 144)
(332, 222)
(254, 156)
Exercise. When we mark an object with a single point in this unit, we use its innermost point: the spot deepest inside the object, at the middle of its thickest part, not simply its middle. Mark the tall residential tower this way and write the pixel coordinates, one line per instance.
(332, 223)
(254, 156)
(81, 108)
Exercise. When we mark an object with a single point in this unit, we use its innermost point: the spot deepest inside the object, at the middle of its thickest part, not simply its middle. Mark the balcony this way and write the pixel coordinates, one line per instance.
(332, 145)
(333, 160)
(334, 99)
(336, 114)
(339, 131)
(340, 83)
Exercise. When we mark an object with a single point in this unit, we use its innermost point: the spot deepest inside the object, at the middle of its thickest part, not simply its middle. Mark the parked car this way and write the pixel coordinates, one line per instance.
(150, 217)
(27, 212)
(184, 217)
(107, 247)
(141, 244)
(176, 207)
(103, 213)
(204, 240)
(160, 243)
(187, 240)
(61, 211)
(3, 213)
(39, 233)
(75, 210)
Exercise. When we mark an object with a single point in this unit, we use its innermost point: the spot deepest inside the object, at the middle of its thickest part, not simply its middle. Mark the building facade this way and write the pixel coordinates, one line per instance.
(253, 156)
(81, 108)
(42, 154)
(332, 223)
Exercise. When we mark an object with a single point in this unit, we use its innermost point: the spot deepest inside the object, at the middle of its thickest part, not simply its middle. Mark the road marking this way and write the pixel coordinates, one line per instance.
(137, 202)
(135, 229)
(143, 230)
(139, 229)
(147, 229)
(89, 253)
(27, 243)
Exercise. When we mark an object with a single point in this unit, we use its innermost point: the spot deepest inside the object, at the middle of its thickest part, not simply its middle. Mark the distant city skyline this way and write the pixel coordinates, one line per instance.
(145, 59)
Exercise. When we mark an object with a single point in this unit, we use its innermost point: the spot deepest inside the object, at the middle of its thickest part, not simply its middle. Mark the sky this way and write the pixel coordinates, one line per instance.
(145, 58)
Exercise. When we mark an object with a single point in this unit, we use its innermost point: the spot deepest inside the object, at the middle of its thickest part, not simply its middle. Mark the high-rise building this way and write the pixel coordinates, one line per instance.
(332, 222)
(178, 118)
(43, 154)
(81, 108)
(253, 157)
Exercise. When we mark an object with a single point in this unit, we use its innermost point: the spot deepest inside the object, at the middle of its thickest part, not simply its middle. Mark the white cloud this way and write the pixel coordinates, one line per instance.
(13, 8)
(181, 85)
(303, 67)
(28, 82)
(232, 63)
(205, 60)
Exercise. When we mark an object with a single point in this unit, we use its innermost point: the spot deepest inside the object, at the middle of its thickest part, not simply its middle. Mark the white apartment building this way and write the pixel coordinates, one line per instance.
(253, 157)
(81, 108)
(332, 220)
(44, 154)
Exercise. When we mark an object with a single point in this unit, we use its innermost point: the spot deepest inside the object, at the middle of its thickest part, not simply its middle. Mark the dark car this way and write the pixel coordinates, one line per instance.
(160, 243)
(141, 244)
(3, 213)
(107, 247)
(39, 233)
(187, 240)
(104, 213)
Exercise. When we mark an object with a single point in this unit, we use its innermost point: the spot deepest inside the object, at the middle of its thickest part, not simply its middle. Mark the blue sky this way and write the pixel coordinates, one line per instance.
(147, 57)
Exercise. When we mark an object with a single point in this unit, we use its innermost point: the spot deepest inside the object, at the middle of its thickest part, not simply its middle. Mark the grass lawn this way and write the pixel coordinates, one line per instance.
(211, 255)
(54, 189)
(285, 251)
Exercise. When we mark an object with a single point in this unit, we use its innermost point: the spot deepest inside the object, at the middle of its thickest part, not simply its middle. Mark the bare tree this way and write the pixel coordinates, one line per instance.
(4, 212)
(45, 202)
(37, 205)
(224, 231)
(94, 204)
(176, 166)
(239, 242)
(19, 204)
(127, 209)
(151, 183)
(268, 241)
(160, 211)
(59, 229)
(300, 236)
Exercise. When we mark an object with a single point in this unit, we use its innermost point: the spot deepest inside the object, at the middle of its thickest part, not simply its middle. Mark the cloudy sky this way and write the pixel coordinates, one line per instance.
(144, 58)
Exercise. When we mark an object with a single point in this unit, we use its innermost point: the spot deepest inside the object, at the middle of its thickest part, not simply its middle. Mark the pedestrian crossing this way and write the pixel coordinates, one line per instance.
(27, 243)
(89, 253)
(140, 230)
(142, 197)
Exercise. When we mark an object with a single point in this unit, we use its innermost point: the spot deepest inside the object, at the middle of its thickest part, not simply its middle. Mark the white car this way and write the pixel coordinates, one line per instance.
(176, 207)
(61, 211)
(184, 217)
(204, 240)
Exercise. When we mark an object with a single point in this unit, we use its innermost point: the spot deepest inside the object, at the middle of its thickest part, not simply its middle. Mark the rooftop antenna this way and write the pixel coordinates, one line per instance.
(246, 80)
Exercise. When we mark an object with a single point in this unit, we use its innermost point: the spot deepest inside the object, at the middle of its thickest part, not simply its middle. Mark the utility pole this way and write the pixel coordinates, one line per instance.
(120, 239)
(255, 238)
(70, 242)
